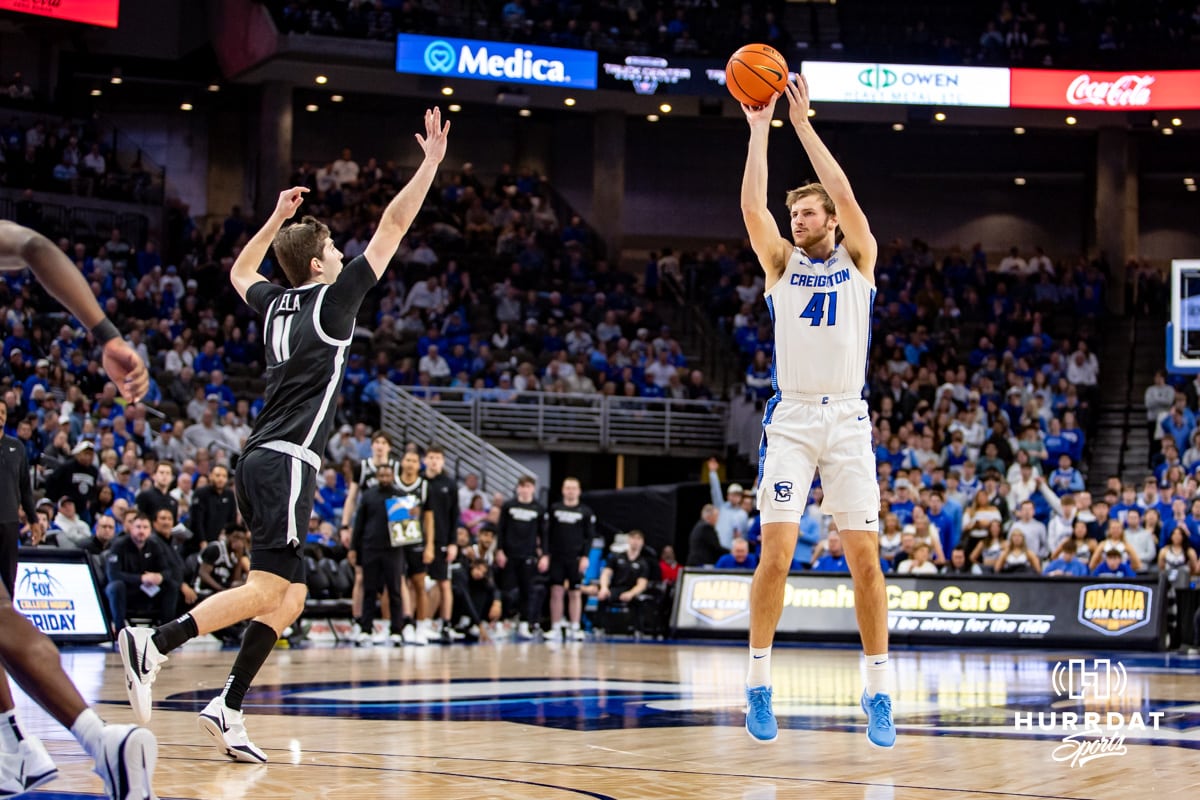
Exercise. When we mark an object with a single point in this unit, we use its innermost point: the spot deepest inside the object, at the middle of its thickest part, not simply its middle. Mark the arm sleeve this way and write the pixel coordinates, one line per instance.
(714, 486)
(502, 529)
(360, 525)
(589, 533)
(260, 295)
(344, 297)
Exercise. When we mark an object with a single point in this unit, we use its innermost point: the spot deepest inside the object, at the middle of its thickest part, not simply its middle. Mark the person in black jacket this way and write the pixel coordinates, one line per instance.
(16, 494)
(163, 524)
(381, 557)
(519, 552)
(158, 496)
(78, 477)
(704, 547)
(213, 510)
(141, 577)
(442, 500)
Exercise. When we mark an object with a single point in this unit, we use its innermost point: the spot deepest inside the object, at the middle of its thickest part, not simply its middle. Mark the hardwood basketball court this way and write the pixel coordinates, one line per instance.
(625, 720)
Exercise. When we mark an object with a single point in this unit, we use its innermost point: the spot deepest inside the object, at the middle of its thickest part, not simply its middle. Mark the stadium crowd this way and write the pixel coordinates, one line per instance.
(1033, 33)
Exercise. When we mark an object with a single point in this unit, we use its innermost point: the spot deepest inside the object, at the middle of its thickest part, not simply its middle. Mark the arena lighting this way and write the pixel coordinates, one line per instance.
(96, 92)
(1176, 121)
(1168, 131)
(1019, 131)
(447, 90)
(312, 107)
(212, 87)
(1189, 181)
(454, 107)
(185, 106)
(321, 80)
(812, 112)
(337, 98)
(524, 112)
(652, 118)
(665, 108)
(568, 101)
(897, 126)
(1071, 120)
(776, 123)
(116, 79)
(940, 116)
(1192, 188)
(1019, 181)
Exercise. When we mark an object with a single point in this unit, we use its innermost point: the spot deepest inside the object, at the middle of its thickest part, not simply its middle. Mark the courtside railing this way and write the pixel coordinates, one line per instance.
(580, 422)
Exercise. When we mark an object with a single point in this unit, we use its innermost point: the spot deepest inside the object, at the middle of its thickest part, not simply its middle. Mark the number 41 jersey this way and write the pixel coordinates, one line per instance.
(821, 311)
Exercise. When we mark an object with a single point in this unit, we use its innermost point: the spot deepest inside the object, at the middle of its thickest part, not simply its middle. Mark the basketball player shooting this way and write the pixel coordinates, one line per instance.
(125, 755)
(819, 293)
(307, 332)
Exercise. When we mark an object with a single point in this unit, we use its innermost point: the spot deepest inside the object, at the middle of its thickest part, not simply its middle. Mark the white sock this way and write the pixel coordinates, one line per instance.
(88, 730)
(10, 732)
(878, 675)
(759, 673)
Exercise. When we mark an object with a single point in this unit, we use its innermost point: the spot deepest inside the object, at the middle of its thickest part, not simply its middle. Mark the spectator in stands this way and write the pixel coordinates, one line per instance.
(739, 557)
(1017, 556)
(1033, 531)
(213, 509)
(140, 580)
(69, 528)
(158, 496)
(704, 544)
(959, 564)
(1144, 542)
(1068, 560)
(77, 478)
(733, 521)
(988, 550)
(1178, 559)
(1158, 399)
(919, 564)
(833, 558)
(1115, 541)
(1113, 566)
(668, 567)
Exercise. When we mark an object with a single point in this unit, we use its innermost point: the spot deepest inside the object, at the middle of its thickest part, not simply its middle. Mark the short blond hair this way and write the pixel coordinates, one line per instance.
(809, 190)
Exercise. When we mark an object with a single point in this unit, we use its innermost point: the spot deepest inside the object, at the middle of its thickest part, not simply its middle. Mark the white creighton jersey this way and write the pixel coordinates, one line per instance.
(822, 316)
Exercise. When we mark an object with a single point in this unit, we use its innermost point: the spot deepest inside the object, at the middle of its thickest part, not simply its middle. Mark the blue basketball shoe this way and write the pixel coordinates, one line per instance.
(760, 719)
(880, 730)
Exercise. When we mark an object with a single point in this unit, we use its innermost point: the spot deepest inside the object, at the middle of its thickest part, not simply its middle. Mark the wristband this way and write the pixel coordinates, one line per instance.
(106, 331)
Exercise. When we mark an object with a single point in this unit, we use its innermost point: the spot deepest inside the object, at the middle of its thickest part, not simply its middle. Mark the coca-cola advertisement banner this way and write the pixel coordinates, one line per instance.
(1090, 90)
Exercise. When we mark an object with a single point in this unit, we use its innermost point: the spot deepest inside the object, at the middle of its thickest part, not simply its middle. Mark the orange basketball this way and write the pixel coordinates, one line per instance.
(755, 73)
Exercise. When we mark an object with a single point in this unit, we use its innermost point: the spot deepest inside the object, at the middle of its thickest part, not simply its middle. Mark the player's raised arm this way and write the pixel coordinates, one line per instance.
(403, 209)
(771, 248)
(67, 285)
(857, 231)
(245, 269)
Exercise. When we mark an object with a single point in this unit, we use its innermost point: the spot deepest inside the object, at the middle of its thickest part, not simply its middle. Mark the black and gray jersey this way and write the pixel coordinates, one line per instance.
(306, 333)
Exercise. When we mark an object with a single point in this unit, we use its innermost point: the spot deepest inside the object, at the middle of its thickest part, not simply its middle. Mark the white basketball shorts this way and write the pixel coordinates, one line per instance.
(804, 433)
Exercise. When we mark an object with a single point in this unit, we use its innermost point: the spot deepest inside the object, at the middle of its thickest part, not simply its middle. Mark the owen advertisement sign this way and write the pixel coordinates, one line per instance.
(503, 62)
(907, 84)
(936, 610)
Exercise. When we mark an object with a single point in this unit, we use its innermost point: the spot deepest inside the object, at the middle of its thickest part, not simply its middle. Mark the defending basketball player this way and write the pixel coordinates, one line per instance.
(819, 292)
(307, 331)
(125, 755)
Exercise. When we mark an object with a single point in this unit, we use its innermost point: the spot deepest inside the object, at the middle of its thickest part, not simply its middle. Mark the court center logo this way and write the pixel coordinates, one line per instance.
(440, 56)
(1089, 734)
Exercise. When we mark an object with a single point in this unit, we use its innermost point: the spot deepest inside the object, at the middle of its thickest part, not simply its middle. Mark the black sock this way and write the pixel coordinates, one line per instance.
(257, 644)
(167, 637)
